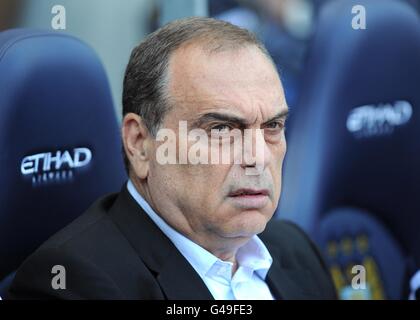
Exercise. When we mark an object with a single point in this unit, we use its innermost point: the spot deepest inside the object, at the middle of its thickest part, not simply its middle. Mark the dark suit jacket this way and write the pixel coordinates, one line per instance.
(114, 251)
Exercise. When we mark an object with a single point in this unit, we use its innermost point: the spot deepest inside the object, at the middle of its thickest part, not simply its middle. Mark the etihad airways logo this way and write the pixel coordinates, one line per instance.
(57, 166)
(378, 120)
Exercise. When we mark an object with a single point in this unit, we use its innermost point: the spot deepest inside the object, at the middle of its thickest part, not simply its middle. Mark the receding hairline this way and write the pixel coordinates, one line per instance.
(211, 34)
(200, 45)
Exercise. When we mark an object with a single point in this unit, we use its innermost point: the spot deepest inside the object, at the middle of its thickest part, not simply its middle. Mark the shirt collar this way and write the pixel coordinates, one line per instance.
(254, 255)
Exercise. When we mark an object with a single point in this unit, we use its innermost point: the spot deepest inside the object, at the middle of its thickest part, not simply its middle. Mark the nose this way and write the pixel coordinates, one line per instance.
(256, 154)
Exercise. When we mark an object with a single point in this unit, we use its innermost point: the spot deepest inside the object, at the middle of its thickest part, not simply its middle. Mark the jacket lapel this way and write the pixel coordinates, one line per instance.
(174, 273)
(182, 282)
(287, 283)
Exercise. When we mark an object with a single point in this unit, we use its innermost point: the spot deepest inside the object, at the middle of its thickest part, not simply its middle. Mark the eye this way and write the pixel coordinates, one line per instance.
(221, 128)
(275, 125)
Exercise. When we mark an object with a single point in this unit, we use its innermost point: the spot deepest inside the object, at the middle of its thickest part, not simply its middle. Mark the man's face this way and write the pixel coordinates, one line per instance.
(232, 89)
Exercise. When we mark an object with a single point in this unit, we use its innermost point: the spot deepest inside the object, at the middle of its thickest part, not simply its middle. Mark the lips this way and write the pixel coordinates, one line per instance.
(249, 199)
(249, 193)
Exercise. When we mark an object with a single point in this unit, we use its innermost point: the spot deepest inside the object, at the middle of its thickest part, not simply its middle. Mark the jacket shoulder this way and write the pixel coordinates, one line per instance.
(94, 217)
(98, 260)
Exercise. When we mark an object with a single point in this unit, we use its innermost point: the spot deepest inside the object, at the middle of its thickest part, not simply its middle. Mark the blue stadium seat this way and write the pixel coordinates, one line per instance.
(60, 145)
(352, 237)
(354, 136)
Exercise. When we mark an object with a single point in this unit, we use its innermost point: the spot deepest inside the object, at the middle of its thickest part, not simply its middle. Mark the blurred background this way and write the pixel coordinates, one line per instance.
(351, 77)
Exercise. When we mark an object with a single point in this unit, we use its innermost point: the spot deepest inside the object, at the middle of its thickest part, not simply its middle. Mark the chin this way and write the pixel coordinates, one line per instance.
(248, 224)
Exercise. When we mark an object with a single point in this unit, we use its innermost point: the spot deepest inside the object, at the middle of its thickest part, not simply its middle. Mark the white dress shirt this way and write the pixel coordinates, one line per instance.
(253, 259)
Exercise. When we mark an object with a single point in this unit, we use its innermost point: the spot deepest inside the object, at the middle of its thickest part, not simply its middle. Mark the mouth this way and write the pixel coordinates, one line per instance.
(248, 193)
(249, 198)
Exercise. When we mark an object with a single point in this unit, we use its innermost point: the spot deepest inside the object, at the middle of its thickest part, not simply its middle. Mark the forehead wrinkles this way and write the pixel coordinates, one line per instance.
(255, 98)
(258, 105)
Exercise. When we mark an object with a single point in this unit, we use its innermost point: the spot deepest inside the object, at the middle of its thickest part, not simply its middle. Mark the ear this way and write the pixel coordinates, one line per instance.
(136, 140)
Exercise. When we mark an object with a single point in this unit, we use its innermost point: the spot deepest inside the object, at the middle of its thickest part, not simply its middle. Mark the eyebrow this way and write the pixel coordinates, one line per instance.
(238, 121)
(281, 115)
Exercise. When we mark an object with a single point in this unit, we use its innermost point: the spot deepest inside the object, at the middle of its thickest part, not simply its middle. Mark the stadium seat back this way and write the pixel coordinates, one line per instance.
(60, 145)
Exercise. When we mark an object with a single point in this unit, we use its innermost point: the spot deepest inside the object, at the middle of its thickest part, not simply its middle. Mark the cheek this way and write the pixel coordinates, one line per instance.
(193, 187)
(207, 191)
(161, 181)
(283, 149)
(278, 152)
(277, 163)
(205, 179)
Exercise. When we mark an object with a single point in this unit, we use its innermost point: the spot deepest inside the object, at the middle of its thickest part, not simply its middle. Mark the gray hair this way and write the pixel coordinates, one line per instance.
(145, 81)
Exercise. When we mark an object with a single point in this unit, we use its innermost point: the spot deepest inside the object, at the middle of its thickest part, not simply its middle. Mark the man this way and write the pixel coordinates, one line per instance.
(189, 229)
